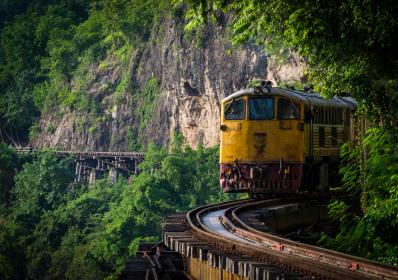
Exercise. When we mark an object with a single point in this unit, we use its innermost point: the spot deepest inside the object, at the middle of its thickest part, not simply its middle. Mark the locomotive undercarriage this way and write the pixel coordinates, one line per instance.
(261, 178)
(271, 177)
(321, 173)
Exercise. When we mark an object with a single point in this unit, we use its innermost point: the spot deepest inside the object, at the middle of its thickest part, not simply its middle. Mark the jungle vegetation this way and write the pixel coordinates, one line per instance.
(349, 47)
(47, 47)
(53, 228)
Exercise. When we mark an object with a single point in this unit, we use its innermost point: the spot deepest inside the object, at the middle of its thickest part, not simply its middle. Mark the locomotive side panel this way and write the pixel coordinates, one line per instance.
(329, 130)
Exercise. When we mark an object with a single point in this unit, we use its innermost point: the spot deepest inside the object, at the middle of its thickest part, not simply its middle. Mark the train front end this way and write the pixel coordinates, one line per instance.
(262, 141)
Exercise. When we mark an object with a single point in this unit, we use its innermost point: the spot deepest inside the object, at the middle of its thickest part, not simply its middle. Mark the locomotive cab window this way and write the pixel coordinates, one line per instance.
(261, 108)
(235, 110)
(288, 110)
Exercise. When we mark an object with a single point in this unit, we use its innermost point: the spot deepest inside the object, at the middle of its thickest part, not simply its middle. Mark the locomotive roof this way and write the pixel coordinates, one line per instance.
(308, 98)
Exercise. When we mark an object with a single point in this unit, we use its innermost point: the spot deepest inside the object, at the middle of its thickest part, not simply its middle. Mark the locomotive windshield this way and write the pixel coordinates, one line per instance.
(261, 108)
(235, 110)
(288, 110)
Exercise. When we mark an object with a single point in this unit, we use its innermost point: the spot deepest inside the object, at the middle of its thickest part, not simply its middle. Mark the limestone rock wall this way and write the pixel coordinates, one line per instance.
(194, 75)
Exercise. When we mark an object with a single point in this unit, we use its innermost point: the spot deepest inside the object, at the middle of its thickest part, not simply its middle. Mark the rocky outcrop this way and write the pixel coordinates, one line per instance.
(194, 75)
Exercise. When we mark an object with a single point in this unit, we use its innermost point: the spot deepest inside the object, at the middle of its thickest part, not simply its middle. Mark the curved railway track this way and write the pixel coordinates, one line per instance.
(222, 226)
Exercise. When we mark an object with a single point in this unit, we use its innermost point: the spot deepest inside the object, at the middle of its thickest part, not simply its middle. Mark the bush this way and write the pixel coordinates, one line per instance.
(58, 229)
(51, 128)
(147, 102)
(369, 170)
(34, 131)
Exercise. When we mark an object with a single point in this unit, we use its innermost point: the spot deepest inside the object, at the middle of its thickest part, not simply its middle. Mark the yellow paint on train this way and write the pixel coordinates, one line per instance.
(256, 141)
(277, 140)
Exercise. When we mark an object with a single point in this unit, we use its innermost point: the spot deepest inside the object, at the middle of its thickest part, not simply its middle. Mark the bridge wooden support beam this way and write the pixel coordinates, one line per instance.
(154, 261)
(205, 262)
(89, 169)
(92, 177)
(112, 177)
(78, 172)
(135, 166)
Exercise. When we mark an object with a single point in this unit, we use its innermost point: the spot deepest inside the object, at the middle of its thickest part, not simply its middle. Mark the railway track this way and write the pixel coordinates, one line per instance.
(221, 230)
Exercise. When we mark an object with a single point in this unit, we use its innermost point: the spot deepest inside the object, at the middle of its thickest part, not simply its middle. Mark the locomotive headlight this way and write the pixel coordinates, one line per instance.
(265, 90)
(266, 86)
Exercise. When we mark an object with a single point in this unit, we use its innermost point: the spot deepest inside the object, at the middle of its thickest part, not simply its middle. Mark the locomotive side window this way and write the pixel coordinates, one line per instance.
(261, 108)
(321, 136)
(334, 136)
(328, 115)
(288, 110)
(235, 110)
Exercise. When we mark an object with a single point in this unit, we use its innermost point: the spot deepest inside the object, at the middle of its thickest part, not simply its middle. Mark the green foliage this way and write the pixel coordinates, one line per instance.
(39, 188)
(369, 169)
(28, 40)
(132, 140)
(17, 112)
(8, 164)
(147, 100)
(47, 51)
(92, 129)
(11, 252)
(193, 175)
(338, 210)
(121, 88)
(348, 46)
(16, 38)
(58, 229)
(42, 185)
(50, 128)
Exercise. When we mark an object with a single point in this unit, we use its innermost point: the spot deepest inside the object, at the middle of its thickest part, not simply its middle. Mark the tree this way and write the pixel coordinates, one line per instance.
(349, 46)
(8, 164)
(18, 56)
(374, 178)
(59, 229)
(41, 186)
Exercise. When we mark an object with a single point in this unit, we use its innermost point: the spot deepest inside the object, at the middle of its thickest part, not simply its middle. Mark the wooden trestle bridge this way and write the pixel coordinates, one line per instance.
(90, 165)
(247, 240)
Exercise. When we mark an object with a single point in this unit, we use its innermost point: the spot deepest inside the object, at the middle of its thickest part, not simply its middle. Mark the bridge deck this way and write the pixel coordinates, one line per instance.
(90, 154)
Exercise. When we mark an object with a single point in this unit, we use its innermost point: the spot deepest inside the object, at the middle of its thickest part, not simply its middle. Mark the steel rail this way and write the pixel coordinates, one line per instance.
(274, 252)
(339, 260)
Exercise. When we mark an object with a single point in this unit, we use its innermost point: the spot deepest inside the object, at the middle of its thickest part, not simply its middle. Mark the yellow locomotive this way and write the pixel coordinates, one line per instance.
(276, 140)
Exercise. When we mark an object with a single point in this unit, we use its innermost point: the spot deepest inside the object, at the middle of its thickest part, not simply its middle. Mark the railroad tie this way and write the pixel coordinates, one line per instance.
(232, 263)
(245, 267)
(193, 249)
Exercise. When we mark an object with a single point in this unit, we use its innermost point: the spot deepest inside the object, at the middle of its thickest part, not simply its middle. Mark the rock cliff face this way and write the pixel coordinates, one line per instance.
(193, 76)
